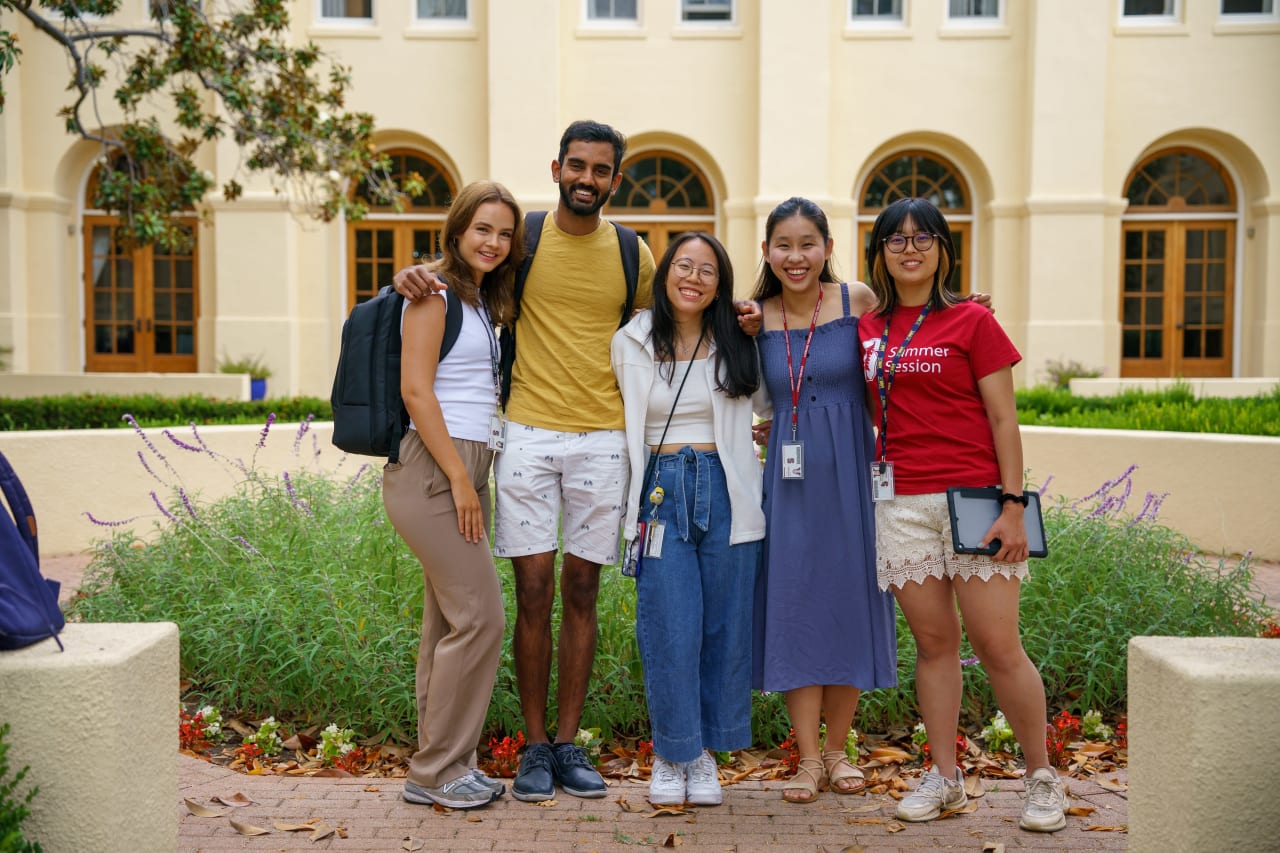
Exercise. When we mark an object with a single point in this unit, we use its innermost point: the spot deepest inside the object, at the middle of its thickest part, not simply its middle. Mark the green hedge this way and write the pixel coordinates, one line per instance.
(104, 411)
(1174, 410)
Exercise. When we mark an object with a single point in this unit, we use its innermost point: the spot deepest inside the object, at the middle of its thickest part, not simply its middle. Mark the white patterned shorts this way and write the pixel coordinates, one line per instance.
(542, 474)
(913, 542)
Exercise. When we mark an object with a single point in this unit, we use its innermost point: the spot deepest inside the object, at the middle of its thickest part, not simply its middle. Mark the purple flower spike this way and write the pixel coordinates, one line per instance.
(102, 523)
(186, 502)
(180, 443)
(302, 430)
(271, 418)
(155, 499)
(244, 543)
(1044, 487)
(968, 661)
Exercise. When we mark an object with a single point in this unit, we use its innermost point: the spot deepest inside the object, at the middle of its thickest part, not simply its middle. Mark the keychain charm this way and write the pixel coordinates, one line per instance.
(655, 497)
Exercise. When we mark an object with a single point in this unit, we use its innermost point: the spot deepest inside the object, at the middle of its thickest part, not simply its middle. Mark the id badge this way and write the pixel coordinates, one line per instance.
(631, 557)
(653, 539)
(497, 432)
(881, 481)
(792, 460)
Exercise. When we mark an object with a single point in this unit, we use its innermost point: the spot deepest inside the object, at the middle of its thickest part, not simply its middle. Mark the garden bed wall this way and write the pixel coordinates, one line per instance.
(1223, 490)
(228, 386)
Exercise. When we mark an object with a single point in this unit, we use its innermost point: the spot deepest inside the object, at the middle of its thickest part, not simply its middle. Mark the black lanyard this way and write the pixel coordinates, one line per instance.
(885, 375)
(795, 381)
(653, 458)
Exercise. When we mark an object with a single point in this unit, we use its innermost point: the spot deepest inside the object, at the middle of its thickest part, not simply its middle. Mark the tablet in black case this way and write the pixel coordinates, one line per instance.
(974, 510)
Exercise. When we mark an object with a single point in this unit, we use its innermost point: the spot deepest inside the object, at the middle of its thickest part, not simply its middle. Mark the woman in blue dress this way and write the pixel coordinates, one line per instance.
(824, 631)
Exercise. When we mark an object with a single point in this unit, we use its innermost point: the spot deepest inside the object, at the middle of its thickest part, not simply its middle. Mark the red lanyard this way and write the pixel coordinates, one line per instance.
(888, 371)
(804, 357)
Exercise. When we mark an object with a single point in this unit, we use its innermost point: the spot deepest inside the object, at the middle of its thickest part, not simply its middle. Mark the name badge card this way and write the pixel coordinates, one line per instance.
(792, 460)
(497, 433)
(881, 481)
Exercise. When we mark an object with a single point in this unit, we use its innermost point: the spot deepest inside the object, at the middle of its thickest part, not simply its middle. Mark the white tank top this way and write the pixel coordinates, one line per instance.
(465, 379)
(691, 423)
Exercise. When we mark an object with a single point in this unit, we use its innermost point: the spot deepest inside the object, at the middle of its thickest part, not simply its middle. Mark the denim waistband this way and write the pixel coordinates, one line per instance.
(690, 493)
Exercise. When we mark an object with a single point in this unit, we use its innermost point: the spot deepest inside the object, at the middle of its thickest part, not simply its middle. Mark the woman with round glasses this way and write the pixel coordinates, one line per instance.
(939, 374)
(687, 374)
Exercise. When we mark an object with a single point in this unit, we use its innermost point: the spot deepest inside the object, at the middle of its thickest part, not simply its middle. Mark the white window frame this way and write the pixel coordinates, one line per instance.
(880, 22)
(440, 21)
(1172, 16)
(611, 23)
(712, 5)
(1264, 17)
(975, 21)
(332, 21)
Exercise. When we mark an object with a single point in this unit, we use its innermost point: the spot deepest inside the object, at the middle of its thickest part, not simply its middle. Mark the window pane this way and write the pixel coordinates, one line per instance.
(1191, 343)
(164, 306)
(346, 8)
(443, 9)
(707, 10)
(1148, 7)
(1247, 7)
(1213, 343)
(1153, 344)
(1132, 343)
(974, 8)
(872, 9)
(1155, 311)
(624, 10)
(185, 307)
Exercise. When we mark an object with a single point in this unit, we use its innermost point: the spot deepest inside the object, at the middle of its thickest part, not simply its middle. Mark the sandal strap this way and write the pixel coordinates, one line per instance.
(832, 762)
(813, 770)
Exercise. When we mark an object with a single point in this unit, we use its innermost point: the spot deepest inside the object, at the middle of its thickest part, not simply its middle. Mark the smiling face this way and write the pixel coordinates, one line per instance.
(912, 270)
(796, 253)
(486, 241)
(586, 176)
(692, 280)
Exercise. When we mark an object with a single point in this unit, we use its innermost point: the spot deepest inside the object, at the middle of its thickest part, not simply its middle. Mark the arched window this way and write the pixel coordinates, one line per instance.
(1178, 267)
(662, 194)
(385, 241)
(919, 174)
(142, 303)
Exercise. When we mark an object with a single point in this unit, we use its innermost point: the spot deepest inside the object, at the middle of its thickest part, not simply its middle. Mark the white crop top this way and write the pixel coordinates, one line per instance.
(692, 421)
(464, 380)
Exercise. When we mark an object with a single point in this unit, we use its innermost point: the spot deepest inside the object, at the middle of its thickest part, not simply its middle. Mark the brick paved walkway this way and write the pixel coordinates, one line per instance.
(753, 818)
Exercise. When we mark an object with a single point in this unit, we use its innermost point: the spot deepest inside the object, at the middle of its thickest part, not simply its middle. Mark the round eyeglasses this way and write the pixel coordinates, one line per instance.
(897, 243)
(686, 269)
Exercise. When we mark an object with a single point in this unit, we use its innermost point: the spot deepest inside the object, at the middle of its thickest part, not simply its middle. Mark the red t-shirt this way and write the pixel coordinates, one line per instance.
(939, 435)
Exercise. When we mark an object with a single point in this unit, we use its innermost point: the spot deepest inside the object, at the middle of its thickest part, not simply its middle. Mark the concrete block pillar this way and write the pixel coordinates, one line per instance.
(97, 725)
(1202, 709)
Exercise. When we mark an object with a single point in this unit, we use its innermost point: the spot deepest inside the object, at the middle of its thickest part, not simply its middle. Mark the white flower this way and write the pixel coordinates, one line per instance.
(333, 175)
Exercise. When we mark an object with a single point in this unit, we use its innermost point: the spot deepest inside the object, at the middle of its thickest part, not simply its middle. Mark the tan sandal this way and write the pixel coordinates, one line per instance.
(808, 779)
(839, 768)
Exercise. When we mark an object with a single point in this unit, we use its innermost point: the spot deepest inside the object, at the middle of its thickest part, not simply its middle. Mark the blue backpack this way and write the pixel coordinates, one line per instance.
(28, 601)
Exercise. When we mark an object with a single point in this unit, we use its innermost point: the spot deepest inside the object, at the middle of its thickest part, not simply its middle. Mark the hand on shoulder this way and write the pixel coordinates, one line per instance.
(417, 281)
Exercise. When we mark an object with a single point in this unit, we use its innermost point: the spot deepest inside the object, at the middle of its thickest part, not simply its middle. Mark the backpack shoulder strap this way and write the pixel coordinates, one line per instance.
(629, 246)
(533, 222)
(452, 323)
(24, 515)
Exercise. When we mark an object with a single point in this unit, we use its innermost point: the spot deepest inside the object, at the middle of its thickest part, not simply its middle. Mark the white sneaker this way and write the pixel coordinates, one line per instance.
(703, 781)
(934, 795)
(666, 784)
(1046, 805)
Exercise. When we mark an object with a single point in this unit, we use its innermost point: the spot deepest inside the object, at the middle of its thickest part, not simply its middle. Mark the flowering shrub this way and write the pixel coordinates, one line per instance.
(589, 739)
(336, 744)
(998, 735)
(1064, 729)
(266, 738)
(1271, 629)
(197, 731)
(506, 754)
(1092, 727)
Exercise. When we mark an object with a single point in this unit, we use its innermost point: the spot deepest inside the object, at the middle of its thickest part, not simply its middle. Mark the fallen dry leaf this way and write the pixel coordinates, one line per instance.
(672, 840)
(668, 810)
(201, 811)
(868, 809)
(1081, 811)
(474, 818)
(333, 772)
(294, 827)
(411, 843)
(973, 787)
(993, 847)
(627, 806)
(894, 826)
(249, 829)
(1112, 784)
(864, 821)
(321, 831)
(547, 804)
(888, 755)
(965, 809)
(372, 789)
(236, 800)
(1106, 828)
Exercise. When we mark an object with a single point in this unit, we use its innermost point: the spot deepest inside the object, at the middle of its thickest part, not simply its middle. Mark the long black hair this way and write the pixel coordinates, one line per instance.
(768, 284)
(737, 370)
(926, 217)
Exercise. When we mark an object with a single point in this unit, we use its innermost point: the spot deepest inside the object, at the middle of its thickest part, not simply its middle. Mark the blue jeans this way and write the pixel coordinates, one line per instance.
(693, 613)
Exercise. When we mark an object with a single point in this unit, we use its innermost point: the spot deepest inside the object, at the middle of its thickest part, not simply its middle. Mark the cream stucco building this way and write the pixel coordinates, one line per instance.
(1108, 167)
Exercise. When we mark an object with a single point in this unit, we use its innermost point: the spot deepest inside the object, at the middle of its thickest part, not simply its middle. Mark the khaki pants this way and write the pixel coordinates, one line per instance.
(462, 612)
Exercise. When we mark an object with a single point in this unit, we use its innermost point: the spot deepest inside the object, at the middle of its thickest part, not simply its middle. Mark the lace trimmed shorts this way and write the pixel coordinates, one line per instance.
(913, 542)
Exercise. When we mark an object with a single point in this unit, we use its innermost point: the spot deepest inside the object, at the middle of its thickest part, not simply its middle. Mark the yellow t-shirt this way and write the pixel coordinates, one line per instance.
(571, 306)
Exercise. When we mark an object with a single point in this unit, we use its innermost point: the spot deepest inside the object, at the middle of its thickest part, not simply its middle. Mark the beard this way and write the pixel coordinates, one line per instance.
(577, 207)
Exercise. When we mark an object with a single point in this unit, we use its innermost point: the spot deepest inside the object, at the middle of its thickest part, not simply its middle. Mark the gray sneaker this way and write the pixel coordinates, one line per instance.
(461, 793)
(1046, 805)
(492, 784)
(934, 795)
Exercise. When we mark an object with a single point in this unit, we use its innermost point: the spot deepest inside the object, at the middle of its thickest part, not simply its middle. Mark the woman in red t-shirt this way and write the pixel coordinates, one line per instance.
(939, 375)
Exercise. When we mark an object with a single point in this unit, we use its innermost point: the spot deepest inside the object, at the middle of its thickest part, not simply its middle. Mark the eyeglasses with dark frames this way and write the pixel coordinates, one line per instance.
(686, 269)
(897, 243)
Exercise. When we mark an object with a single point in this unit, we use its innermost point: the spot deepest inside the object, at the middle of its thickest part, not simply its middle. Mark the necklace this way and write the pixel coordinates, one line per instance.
(683, 349)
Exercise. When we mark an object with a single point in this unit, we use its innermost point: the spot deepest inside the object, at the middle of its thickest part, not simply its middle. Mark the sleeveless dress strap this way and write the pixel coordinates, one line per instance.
(844, 296)
(761, 307)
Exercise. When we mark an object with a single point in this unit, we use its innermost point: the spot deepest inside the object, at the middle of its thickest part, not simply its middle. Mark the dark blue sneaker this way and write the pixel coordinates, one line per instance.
(534, 782)
(575, 773)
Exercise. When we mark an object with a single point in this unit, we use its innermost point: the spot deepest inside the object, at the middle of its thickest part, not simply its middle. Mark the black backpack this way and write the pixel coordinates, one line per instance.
(369, 416)
(28, 601)
(628, 247)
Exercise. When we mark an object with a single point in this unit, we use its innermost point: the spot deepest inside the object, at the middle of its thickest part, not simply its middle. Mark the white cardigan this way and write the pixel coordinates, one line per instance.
(632, 355)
